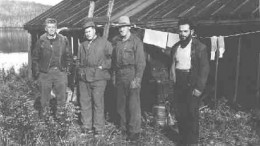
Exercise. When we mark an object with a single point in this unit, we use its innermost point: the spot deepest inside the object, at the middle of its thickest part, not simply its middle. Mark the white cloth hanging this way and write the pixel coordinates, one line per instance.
(221, 46)
(214, 47)
(173, 38)
(157, 38)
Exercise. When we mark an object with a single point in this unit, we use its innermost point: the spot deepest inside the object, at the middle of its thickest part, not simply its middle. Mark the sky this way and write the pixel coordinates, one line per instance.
(46, 2)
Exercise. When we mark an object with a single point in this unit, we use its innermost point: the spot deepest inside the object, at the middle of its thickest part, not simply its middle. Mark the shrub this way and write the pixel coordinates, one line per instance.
(225, 126)
(20, 123)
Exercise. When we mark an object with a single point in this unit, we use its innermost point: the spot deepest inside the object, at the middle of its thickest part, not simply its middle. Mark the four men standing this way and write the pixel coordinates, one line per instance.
(189, 71)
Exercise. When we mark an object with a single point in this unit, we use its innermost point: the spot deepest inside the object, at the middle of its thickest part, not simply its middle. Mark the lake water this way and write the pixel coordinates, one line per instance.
(13, 40)
(13, 48)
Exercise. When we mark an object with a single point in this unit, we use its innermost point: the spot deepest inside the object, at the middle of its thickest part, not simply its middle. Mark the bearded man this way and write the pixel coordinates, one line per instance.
(189, 71)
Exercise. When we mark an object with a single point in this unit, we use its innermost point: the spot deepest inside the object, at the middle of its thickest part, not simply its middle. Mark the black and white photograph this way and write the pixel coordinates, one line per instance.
(129, 72)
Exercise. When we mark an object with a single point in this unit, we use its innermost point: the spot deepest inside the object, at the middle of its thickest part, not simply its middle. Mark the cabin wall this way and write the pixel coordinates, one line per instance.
(247, 83)
(157, 66)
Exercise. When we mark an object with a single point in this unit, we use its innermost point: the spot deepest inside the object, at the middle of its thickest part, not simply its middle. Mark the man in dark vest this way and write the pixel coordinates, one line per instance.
(50, 60)
(129, 64)
(94, 63)
(189, 71)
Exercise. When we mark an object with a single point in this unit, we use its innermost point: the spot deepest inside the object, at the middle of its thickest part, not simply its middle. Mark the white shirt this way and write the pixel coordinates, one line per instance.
(183, 57)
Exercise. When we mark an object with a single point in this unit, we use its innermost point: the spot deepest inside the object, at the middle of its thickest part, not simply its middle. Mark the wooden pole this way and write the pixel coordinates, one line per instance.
(216, 76)
(29, 56)
(109, 12)
(237, 69)
(259, 8)
(78, 42)
(258, 67)
(258, 81)
(91, 9)
(72, 44)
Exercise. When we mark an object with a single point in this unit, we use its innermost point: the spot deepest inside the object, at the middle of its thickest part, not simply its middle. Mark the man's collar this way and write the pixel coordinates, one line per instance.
(129, 39)
(95, 37)
(51, 37)
(185, 43)
(190, 42)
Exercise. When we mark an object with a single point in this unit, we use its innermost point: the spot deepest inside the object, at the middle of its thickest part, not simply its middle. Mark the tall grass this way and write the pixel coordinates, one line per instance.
(21, 125)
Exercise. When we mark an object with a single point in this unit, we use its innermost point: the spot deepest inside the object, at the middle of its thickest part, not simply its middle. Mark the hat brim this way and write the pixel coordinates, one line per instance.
(88, 27)
(122, 25)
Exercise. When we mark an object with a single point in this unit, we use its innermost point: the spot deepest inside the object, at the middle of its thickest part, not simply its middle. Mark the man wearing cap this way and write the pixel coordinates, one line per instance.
(95, 61)
(50, 60)
(129, 63)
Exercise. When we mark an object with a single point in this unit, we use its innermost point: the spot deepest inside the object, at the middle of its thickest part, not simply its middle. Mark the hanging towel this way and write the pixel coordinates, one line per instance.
(221, 46)
(214, 47)
(157, 38)
(173, 38)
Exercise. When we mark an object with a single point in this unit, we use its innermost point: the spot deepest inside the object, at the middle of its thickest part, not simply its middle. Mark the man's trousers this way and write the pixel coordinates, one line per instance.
(186, 109)
(53, 80)
(92, 104)
(128, 105)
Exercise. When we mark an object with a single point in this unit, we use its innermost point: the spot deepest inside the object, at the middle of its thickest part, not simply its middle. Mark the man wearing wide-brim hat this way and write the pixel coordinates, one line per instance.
(129, 64)
(123, 21)
(94, 56)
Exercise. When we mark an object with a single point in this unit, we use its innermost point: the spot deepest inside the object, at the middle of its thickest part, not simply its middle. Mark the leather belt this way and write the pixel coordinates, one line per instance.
(54, 68)
(183, 70)
(125, 67)
(85, 66)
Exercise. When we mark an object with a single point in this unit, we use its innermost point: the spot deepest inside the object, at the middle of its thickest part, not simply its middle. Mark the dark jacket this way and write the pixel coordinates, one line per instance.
(199, 64)
(129, 53)
(42, 54)
(95, 59)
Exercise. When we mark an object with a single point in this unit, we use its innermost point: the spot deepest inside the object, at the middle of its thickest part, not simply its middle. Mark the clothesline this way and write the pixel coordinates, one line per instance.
(167, 40)
(225, 36)
(135, 26)
(238, 34)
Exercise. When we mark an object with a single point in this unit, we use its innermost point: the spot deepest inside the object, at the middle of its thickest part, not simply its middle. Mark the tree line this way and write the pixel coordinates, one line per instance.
(16, 13)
